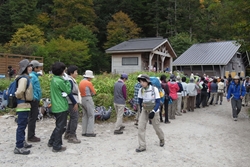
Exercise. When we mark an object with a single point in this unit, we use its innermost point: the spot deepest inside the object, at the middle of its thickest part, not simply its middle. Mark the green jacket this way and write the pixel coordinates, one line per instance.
(57, 86)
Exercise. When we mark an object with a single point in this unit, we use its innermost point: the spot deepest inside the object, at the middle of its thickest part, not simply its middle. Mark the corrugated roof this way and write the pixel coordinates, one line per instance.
(137, 45)
(213, 53)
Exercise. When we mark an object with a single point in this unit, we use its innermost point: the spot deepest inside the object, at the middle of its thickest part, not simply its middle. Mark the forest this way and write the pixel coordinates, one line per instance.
(79, 31)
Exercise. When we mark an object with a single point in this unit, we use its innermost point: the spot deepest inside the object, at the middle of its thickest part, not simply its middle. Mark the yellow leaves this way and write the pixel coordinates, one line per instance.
(28, 35)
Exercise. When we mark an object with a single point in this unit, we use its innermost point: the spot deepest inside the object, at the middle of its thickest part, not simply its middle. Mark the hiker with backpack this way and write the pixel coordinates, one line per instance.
(164, 86)
(23, 94)
(173, 88)
(73, 101)
(37, 95)
(236, 92)
(149, 101)
(60, 88)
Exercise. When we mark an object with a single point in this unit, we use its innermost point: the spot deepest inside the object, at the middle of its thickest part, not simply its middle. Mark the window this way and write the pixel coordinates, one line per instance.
(129, 61)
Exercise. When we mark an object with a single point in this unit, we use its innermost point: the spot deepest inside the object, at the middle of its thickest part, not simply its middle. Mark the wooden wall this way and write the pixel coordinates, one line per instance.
(13, 60)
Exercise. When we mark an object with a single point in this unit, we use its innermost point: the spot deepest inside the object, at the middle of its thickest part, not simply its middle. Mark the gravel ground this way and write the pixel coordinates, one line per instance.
(207, 137)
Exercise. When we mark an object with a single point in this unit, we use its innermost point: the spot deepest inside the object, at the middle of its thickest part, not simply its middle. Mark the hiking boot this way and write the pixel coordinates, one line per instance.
(136, 122)
(74, 140)
(49, 145)
(61, 150)
(26, 145)
(122, 127)
(220, 103)
(90, 135)
(84, 134)
(140, 150)
(167, 122)
(34, 139)
(22, 150)
(118, 132)
(162, 142)
(235, 119)
(66, 136)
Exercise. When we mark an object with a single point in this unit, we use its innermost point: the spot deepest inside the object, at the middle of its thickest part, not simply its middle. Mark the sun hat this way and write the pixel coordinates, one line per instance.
(89, 74)
(23, 64)
(144, 77)
(36, 63)
(236, 77)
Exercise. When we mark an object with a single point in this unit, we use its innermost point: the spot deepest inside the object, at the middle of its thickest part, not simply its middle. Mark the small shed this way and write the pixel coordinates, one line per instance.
(13, 60)
(214, 59)
(142, 54)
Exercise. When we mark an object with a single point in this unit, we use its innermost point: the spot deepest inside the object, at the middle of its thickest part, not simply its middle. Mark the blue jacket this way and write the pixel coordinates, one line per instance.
(37, 92)
(234, 90)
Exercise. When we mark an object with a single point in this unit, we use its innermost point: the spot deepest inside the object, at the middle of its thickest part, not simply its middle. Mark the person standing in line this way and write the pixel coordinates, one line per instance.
(220, 91)
(204, 92)
(120, 97)
(23, 107)
(60, 88)
(179, 94)
(87, 90)
(191, 93)
(173, 89)
(184, 94)
(164, 86)
(246, 83)
(37, 95)
(136, 100)
(236, 93)
(149, 101)
(73, 101)
(213, 94)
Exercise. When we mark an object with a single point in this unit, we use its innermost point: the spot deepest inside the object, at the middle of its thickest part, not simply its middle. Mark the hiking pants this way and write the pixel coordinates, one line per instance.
(119, 108)
(213, 95)
(22, 120)
(172, 109)
(88, 115)
(56, 136)
(184, 101)
(204, 98)
(236, 107)
(219, 97)
(143, 121)
(33, 114)
(165, 106)
(178, 111)
(73, 121)
(190, 103)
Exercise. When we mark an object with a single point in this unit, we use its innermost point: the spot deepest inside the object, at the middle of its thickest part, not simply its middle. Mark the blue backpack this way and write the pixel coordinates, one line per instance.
(156, 82)
(12, 101)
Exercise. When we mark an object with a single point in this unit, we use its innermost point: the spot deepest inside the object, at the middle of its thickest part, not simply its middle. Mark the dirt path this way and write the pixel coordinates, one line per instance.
(204, 138)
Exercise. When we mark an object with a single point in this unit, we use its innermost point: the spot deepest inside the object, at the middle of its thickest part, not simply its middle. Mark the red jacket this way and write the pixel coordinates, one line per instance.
(173, 89)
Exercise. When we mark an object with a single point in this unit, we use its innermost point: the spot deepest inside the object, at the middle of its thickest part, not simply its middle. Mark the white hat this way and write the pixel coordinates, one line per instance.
(89, 74)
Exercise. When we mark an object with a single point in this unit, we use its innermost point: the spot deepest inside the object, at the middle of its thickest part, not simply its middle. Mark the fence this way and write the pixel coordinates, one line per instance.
(13, 60)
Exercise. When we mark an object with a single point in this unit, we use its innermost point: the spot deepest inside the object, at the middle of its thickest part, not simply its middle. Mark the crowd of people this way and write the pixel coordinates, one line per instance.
(66, 96)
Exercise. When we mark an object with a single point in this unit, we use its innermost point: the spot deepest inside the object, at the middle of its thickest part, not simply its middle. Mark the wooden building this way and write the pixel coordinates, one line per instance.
(141, 55)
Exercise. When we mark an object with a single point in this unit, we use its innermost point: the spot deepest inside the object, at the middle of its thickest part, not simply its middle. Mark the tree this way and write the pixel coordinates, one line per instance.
(181, 42)
(120, 29)
(25, 39)
(70, 13)
(6, 29)
(82, 33)
(67, 51)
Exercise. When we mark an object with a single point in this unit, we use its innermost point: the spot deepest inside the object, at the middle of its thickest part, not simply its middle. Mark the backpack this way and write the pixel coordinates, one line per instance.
(156, 82)
(180, 87)
(12, 101)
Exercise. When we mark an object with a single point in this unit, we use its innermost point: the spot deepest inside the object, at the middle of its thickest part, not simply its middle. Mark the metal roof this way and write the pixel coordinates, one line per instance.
(138, 45)
(213, 53)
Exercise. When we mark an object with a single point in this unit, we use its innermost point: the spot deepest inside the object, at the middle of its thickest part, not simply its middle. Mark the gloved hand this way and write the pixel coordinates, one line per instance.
(151, 114)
